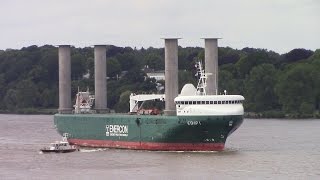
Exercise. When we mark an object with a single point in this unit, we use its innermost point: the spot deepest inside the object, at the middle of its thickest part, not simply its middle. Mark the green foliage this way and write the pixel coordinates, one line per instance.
(306, 108)
(254, 58)
(128, 61)
(113, 67)
(123, 105)
(229, 83)
(273, 114)
(154, 61)
(259, 88)
(297, 54)
(78, 66)
(296, 86)
(185, 77)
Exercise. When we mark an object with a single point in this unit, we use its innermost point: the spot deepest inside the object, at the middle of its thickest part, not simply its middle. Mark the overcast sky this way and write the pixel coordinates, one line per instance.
(278, 25)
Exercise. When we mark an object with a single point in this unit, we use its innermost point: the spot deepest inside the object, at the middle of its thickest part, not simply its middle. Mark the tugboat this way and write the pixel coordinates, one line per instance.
(60, 146)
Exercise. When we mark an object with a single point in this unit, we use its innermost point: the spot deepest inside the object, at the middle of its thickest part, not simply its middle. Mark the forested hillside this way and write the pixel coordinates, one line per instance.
(273, 84)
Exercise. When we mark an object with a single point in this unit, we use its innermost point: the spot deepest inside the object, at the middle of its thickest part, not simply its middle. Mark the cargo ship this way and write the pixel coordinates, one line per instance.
(202, 122)
(197, 119)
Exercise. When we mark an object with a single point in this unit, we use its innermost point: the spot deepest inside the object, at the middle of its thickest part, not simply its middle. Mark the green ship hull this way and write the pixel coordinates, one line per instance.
(148, 132)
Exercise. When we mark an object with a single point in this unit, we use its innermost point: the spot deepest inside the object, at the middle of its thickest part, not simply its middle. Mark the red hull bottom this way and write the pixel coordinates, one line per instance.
(152, 146)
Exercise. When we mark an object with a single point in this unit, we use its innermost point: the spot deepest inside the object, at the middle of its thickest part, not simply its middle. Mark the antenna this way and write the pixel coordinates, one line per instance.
(202, 83)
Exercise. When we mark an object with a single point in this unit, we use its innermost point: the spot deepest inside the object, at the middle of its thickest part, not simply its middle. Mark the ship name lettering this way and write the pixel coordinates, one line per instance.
(116, 130)
(193, 123)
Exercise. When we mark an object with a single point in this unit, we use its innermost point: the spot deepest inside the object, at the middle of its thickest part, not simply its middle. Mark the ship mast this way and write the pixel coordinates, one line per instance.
(202, 83)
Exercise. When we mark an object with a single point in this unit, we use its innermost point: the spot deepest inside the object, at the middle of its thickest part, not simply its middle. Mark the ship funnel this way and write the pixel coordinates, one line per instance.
(100, 78)
(171, 75)
(64, 79)
(211, 64)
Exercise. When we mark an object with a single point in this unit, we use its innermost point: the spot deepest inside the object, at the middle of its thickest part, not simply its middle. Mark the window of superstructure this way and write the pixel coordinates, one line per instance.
(198, 102)
(194, 102)
(207, 102)
(223, 102)
(190, 102)
(227, 102)
(202, 102)
(219, 102)
(215, 102)
(211, 102)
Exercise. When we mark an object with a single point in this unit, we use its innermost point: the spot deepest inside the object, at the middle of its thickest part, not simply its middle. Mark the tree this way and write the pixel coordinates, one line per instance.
(246, 63)
(154, 61)
(295, 87)
(185, 77)
(134, 75)
(78, 66)
(113, 67)
(127, 61)
(297, 54)
(259, 88)
(11, 99)
(27, 94)
(148, 85)
(123, 103)
(227, 82)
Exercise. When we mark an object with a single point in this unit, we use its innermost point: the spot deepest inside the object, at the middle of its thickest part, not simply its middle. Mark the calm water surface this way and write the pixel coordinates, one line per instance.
(259, 149)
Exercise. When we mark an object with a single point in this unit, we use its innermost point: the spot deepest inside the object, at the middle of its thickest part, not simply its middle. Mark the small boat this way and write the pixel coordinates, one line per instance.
(60, 146)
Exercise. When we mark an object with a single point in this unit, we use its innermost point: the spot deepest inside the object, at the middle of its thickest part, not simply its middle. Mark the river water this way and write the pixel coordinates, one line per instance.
(259, 149)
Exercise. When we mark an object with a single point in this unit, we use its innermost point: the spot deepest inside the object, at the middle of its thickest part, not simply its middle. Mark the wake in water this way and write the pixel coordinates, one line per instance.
(87, 150)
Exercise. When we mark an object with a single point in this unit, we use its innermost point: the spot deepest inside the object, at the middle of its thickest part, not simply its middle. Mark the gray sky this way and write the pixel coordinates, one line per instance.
(279, 25)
